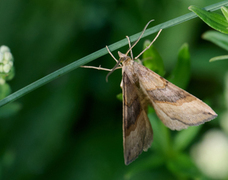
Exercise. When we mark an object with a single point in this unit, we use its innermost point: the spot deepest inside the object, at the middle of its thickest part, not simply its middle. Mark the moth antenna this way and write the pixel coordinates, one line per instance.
(129, 42)
(115, 67)
(149, 44)
(139, 36)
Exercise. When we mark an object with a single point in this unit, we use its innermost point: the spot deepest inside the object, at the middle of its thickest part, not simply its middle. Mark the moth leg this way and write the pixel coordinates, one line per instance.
(149, 44)
(104, 69)
(140, 36)
(98, 68)
(111, 54)
(129, 42)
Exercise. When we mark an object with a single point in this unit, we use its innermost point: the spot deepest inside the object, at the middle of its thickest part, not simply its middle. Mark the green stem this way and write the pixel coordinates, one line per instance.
(70, 67)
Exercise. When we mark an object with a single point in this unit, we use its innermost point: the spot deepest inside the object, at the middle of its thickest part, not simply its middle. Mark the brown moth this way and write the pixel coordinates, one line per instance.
(141, 87)
(176, 108)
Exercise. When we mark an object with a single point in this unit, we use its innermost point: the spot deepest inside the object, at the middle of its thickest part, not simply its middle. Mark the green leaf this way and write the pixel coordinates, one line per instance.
(182, 166)
(218, 58)
(184, 138)
(119, 96)
(212, 19)
(153, 161)
(225, 12)
(152, 59)
(161, 139)
(217, 38)
(181, 74)
(70, 67)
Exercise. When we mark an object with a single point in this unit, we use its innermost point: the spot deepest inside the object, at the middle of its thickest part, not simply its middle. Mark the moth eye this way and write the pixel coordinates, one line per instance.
(122, 59)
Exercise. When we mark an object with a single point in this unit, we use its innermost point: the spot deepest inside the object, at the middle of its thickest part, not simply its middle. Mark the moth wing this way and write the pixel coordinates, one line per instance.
(137, 130)
(176, 108)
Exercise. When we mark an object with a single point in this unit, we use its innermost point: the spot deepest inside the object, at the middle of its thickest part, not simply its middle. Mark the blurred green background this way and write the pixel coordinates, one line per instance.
(71, 128)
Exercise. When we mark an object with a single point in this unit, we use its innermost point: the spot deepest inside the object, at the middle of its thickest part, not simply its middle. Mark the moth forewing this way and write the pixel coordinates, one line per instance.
(137, 131)
(175, 107)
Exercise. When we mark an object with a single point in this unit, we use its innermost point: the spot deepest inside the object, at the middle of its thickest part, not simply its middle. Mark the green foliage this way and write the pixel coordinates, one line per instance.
(152, 59)
(217, 38)
(184, 138)
(119, 96)
(218, 22)
(71, 128)
(218, 58)
(181, 73)
(225, 12)
(212, 19)
(220, 40)
(183, 167)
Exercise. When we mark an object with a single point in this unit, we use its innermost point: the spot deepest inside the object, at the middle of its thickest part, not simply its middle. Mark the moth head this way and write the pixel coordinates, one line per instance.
(123, 57)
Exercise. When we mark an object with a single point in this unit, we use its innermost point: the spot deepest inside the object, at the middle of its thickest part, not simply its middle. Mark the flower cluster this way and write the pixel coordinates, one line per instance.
(6, 64)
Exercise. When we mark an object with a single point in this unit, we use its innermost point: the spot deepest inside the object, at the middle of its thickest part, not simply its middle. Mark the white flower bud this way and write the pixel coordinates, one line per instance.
(6, 68)
(1, 57)
(8, 56)
(4, 49)
(11, 63)
(211, 155)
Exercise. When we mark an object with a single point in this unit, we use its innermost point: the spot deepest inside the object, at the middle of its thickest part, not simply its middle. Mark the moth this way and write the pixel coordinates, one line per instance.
(141, 87)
